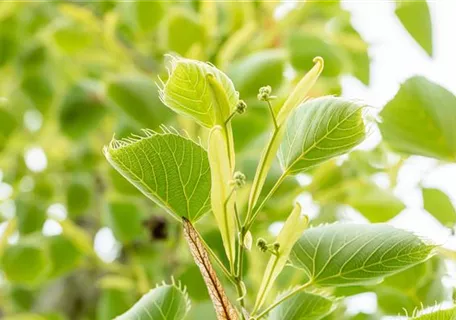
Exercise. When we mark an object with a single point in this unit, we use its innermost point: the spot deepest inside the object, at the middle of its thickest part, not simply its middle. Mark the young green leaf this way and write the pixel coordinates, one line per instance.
(297, 96)
(302, 306)
(318, 130)
(168, 168)
(354, 254)
(167, 302)
(420, 120)
(222, 305)
(290, 233)
(221, 192)
(188, 91)
(416, 18)
(440, 206)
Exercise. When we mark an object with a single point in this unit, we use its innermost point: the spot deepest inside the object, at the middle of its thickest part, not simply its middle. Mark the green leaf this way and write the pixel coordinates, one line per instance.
(82, 109)
(170, 169)
(79, 196)
(39, 89)
(417, 287)
(30, 214)
(373, 202)
(448, 314)
(8, 125)
(71, 38)
(27, 262)
(288, 235)
(354, 254)
(188, 91)
(258, 70)
(181, 31)
(125, 220)
(303, 47)
(416, 18)
(420, 120)
(138, 98)
(112, 303)
(149, 14)
(318, 130)
(437, 203)
(64, 254)
(302, 306)
(168, 302)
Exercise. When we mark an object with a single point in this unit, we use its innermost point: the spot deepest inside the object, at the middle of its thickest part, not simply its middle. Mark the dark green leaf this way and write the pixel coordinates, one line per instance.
(82, 109)
(125, 220)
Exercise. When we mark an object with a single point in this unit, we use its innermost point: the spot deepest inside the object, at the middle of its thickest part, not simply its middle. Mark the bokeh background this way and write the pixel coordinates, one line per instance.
(78, 242)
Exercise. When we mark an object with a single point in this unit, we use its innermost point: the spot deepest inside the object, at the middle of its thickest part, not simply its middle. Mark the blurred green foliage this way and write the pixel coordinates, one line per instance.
(71, 73)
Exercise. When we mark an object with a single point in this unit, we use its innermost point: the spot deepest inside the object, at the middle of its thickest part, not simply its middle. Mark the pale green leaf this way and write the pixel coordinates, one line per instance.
(420, 120)
(318, 130)
(302, 306)
(374, 203)
(354, 254)
(168, 168)
(416, 18)
(189, 92)
(288, 235)
(166, 302)
(448, 314)
(222, 203)
(439, 205)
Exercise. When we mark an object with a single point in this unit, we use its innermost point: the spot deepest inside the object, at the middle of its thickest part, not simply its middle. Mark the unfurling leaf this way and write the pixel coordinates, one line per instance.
(290, 233)
(302, 306)
(355, 254)
(298, 95)
(420, 120)
(319, 130)
(168, 168)
(168, 301)
(221, 191)
(223, 307)
(188, 91)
